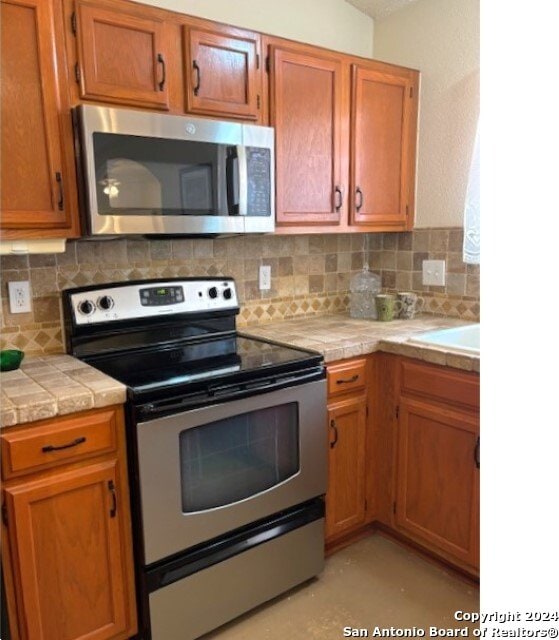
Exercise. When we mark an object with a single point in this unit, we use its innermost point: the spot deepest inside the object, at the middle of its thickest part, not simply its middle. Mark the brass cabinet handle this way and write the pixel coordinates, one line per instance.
(74, 443)
(348, 380)
(161, 61)
(198, 77)
(333, 426)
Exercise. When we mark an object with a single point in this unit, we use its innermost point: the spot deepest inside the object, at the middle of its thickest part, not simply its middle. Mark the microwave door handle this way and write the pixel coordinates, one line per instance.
(232, 180)
(243, 180)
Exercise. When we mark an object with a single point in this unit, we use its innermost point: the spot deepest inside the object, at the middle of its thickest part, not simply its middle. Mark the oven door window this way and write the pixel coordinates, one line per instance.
(238, 457)
(136, 175)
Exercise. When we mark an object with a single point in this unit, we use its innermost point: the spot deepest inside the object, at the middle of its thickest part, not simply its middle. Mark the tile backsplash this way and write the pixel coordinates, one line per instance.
(398, 258)
(310, 275)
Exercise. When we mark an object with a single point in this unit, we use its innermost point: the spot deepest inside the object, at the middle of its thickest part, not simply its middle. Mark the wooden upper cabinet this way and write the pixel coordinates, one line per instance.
(383, 139)
(438, 478)
(222, 73)
(122, 55)
(36, 165)
(66, 537)
(306, 111)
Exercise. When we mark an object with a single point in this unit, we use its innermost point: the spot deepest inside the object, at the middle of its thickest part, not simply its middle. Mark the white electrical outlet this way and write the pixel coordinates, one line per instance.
(265, 277)
(434, 273)
(20, 296)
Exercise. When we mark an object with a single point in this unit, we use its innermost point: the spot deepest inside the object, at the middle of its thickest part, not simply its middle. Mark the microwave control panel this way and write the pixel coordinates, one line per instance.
(259, 186)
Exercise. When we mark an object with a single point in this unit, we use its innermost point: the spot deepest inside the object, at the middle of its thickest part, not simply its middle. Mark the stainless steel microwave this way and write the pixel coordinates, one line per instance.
(156, 174)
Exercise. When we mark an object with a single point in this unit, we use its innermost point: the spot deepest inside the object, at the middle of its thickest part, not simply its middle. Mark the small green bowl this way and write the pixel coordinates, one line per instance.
(10, 359)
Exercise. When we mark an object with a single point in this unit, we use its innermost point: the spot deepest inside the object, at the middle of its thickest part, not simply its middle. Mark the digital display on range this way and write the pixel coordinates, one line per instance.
(157, 296)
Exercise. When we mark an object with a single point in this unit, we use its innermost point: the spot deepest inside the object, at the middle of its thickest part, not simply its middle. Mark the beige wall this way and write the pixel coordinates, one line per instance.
(334, 24)
(441, 39)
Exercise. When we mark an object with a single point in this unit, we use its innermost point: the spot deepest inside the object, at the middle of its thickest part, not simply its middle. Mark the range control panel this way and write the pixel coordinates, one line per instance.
(132, 301)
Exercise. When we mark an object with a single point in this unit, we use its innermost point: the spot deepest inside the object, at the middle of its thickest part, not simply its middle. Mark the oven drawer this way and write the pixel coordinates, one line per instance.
(209, 598)
(347, 376)
(57, 442)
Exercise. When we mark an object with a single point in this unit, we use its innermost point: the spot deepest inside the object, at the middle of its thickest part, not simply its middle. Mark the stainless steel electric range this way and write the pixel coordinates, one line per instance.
(227, 448)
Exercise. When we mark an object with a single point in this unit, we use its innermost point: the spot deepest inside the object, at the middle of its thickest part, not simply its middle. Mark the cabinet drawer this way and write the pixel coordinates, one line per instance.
(347, 376)
(57, 441)
(446, 385)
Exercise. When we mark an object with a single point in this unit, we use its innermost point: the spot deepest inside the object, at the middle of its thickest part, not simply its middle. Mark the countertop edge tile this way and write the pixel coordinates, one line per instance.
(42, 399)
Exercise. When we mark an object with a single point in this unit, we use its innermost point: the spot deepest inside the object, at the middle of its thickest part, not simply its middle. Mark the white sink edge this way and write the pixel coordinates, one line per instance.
(450, 339)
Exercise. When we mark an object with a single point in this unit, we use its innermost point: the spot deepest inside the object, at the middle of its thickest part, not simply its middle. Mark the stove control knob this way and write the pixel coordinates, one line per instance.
(86, 307)
(105, 303)
(212, 292)
(227, 293)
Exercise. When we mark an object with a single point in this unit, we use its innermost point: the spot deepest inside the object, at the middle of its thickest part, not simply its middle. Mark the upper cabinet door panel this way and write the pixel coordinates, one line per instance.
(383, 147)
(32, 164)
(123, 57)
(222, 76)
(306, 94)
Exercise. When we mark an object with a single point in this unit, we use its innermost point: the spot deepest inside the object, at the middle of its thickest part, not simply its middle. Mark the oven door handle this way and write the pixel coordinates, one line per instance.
(229, 392)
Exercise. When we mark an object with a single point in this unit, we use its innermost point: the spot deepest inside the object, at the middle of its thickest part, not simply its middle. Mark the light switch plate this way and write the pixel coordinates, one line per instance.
(434, 273)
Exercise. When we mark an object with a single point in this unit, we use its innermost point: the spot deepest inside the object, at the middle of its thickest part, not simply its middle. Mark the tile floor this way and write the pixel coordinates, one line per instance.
(374, 582)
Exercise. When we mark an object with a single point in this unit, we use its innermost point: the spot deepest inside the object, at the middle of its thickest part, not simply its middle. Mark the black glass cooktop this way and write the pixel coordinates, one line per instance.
(173, 369)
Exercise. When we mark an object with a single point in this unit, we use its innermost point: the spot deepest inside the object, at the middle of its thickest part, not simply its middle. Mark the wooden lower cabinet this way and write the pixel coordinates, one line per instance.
(409, 465)
(345, 500)
(437, 487)
(67, 544)
(347, 496)
(425, 430)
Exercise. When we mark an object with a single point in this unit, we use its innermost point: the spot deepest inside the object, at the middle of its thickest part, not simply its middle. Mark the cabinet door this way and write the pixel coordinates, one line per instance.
(383, 131)
(123, 57)
(66, 535)
(33, 173)
(345, 500)
(438, 478)
(306, 111)
(222, 76)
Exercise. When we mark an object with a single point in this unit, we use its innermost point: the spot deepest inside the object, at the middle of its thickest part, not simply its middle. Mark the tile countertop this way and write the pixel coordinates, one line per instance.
(338, 337)
(53, 385)
(48, 386)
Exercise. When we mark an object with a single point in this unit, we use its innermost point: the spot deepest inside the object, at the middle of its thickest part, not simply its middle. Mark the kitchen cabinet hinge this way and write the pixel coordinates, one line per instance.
(257, 61)
(267, 64)
(74, 23)
(258, 102)
(77, 72)
(5, 515)
(411, 92)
